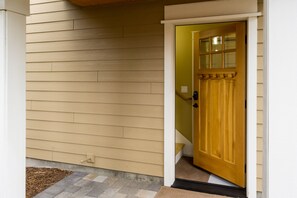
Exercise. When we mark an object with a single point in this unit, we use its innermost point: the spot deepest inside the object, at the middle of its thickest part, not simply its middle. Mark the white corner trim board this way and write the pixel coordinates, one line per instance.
(169, 89)
(280, 107)
(12, 99)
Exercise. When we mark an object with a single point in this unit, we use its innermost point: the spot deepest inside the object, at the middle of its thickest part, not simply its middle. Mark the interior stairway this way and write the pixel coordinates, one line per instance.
(178, 151)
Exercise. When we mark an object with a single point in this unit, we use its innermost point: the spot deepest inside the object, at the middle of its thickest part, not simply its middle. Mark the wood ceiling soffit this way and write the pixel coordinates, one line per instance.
(100, 2)
(86, 3)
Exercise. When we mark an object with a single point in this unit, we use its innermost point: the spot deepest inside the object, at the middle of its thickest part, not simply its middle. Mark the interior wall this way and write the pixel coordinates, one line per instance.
(183, 108)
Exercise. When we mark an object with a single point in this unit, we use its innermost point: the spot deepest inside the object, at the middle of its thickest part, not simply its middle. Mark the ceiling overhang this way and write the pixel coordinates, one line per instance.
(99, 2)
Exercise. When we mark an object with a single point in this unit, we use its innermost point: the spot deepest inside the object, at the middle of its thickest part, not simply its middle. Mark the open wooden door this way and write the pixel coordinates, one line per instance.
(219, 139)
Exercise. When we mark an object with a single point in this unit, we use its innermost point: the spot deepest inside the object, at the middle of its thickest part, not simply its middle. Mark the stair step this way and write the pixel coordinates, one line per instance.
(178, 147)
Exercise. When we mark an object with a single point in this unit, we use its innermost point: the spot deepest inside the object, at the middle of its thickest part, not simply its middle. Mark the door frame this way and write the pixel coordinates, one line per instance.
(251, 91)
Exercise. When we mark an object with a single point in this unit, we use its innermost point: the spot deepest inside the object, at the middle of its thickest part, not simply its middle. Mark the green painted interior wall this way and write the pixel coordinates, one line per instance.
(183, 109)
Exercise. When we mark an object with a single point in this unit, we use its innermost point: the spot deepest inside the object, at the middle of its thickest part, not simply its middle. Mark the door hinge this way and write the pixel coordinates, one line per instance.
(245, 103)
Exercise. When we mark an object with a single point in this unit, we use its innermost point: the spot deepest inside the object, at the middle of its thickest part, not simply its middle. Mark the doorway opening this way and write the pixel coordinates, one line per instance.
(210, 110)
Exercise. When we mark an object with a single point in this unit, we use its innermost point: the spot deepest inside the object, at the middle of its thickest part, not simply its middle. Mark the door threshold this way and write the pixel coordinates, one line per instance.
(209, 188)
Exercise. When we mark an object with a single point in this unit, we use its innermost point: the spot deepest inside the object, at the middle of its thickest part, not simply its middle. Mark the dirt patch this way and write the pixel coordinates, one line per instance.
(38, 179)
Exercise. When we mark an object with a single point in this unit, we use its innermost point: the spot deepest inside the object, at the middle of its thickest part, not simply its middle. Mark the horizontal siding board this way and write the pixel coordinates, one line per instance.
(50, 116)
(110, 54)
(105, 109)
(106, 98)
(110, 120)
(62, 76)
(260, 62)
(259, 116)
(260, 36)
(119, 165)
(107, 87)
(28, 105)
(49, 27)
(39, 154)
(32, 2)
(145, 134)
(259, 144)
(131, 76)
(109, 142)
(259, 171)
(102, 76)
(99, 130)
(111, 32)
(89, 23)
(111, 153)
(87, 12)
(94, 44)
(39, 67)
(56, 16)
(157, 88)
(139, 18)
(126, 121)
(259, 184)
(260, 49)
(259, 157)
(260, 76)
(143, 30)
(145, 13)
(260, 90)
(52, 7)
(260, 103)
(260, 23)
(117, 65)
(260, 130)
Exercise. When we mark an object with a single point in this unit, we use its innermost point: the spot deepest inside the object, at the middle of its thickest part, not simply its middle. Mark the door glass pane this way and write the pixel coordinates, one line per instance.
(204, 46)
(204, 61)
(216, 61)
(230, 59)
(216, 43)
(230, 41)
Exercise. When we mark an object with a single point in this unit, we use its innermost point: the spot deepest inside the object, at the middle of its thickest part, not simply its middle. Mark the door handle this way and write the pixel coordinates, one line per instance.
(195, 95)
(195, 105)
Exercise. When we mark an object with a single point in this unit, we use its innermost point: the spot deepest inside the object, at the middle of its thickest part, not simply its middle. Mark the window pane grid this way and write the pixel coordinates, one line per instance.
(218, 51)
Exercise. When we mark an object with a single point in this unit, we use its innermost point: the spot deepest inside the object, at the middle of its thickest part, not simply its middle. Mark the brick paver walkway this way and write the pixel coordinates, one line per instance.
(90, 185)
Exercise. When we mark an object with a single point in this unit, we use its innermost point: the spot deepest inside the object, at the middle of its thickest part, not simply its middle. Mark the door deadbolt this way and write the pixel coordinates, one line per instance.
(195, 95)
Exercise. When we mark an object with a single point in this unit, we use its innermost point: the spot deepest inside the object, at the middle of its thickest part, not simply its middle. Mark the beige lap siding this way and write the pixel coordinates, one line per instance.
(95, 85)
(260, 99)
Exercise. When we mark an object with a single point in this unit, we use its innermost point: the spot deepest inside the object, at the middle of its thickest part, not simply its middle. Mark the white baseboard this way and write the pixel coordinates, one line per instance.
(188, 148)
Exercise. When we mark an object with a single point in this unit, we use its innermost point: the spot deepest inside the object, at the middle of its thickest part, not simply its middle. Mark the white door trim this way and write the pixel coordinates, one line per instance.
(169, 95)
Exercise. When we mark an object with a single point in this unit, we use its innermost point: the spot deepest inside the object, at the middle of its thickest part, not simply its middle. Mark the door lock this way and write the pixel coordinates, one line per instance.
(195, 95)
(195, 105)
